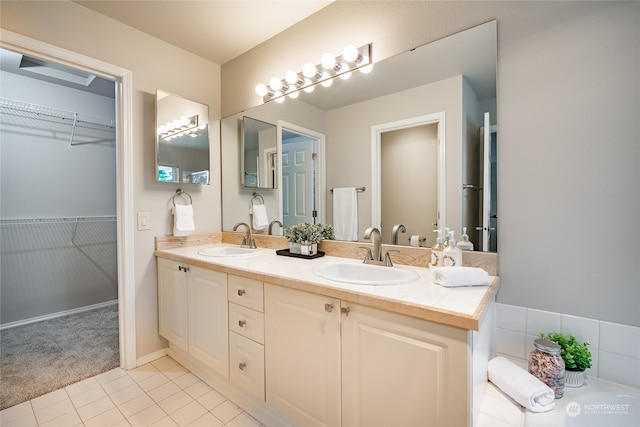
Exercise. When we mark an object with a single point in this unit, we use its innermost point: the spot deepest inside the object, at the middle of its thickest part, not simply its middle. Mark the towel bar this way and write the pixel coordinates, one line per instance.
(358, 189)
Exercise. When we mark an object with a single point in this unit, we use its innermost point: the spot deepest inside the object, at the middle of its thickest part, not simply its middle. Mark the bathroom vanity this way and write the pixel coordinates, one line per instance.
(293, 348)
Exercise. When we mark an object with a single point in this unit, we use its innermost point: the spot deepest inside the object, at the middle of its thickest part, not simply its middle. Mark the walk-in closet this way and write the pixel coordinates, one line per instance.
(59, 270)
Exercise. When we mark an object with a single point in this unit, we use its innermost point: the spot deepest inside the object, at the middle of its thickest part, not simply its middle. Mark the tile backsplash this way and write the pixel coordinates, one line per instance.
(615, 348)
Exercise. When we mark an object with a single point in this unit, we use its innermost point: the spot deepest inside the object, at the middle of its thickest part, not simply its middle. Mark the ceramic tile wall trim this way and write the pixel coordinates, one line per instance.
(615, 348)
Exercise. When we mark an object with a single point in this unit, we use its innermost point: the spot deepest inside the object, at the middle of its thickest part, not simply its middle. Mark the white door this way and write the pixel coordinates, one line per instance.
(298, 181)
(302, 355)
(208, 320)
(172, 302)
(489, 191)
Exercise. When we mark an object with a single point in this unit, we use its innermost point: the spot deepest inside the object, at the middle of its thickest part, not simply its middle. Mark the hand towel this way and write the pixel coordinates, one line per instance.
(520, 385)
(460, 276)
(345, 213)
(259, 216)
(183, 224)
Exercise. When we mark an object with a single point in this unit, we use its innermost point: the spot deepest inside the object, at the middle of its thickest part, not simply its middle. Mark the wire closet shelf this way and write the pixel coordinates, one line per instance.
(79, 128)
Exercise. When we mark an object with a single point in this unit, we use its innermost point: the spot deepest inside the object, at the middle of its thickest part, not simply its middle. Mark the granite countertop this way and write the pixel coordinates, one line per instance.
(460, 307)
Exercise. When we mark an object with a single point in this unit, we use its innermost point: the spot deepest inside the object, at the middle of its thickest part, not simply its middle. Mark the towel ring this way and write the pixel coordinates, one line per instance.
(254, 197)
(179, 193)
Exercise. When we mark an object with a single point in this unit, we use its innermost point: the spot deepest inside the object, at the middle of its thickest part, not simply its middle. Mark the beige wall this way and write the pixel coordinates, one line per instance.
(154, 65)
(568, 145)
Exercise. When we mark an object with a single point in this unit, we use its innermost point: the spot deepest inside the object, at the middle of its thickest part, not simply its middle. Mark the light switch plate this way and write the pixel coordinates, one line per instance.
(144, 221)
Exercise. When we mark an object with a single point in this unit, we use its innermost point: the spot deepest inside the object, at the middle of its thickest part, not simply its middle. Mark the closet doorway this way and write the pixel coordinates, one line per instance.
(60, 201)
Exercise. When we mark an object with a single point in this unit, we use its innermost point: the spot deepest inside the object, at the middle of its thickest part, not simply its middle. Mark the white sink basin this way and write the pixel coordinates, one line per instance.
(229, 251)
(365, 274)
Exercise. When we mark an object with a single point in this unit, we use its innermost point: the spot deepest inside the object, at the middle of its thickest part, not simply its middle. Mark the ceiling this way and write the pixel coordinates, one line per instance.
(217, 30)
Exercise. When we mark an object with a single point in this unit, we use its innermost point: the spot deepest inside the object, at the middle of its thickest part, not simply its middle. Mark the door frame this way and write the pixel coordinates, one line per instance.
(320, 166)
(376, 149)
(124, 172)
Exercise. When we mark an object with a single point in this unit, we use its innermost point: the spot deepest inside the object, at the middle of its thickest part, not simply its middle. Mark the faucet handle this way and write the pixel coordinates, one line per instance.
(387, 257)
(368, 256)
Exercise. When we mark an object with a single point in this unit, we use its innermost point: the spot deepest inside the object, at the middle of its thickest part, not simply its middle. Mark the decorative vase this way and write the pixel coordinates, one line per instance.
(574, 378)
(295, 248)
(309, 248)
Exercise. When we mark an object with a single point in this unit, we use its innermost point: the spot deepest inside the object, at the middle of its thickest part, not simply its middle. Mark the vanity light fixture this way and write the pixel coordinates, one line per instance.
(178, 127)
(330, 67)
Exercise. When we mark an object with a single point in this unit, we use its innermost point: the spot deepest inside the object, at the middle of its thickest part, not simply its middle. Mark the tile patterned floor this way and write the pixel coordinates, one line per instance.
(161, 393)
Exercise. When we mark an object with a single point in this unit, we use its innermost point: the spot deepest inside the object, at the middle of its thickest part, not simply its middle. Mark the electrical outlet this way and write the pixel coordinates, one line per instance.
(144, 221)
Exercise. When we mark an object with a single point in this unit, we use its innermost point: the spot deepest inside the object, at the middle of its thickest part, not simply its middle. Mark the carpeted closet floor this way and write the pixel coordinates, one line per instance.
(42, 357)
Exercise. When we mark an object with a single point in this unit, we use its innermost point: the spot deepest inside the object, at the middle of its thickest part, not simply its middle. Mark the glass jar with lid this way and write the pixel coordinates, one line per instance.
(546, 364)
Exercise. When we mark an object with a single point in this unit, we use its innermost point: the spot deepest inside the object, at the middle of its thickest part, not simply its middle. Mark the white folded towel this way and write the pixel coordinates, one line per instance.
(259, 215)
(345, 214)
(520, 385)
(460, 276)
(183, 224)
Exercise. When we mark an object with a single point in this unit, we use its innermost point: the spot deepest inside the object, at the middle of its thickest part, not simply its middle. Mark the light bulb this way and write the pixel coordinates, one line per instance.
(170, 126)
(294, 95)
(308, 86)
(366, 69)
(184, 121)
(350, 53)
(261, 89)
(328, 61)
(162, 129)
(275, 83)
(176, 123)
(345, 76)
(309, 70)
(328, 81)
(280, 99)
(291, 77)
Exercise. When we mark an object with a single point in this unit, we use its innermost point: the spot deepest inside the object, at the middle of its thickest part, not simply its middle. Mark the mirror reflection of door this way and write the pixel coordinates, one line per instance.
(489, 210)
(299, 174)
(409, 182)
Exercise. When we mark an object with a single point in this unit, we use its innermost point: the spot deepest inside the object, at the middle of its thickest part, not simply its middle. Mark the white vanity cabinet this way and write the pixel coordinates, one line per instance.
(332, 363)
(246, 335)
(192, 312)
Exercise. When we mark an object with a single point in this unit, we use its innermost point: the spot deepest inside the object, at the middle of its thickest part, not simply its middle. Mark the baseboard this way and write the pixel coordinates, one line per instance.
(152, 356)
(58, 314)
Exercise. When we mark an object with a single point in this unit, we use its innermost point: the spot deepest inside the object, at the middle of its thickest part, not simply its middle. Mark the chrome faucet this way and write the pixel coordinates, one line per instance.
(271, 224)
(394, 232)
(376, 258)
(247, 241)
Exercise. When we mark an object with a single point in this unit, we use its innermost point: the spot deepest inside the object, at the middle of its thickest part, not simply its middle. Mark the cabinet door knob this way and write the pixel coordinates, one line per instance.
(345, 310)
(242, 366)
(241, 323)
(241, 292)
(328, 308)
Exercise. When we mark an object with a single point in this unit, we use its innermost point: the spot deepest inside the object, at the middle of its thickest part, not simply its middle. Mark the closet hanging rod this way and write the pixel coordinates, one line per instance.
(358, 189)
(35, 111)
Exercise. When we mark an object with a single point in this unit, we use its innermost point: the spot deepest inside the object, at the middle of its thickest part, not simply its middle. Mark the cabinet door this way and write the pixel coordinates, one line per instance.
(402, 371)
(208, 321)
(302, 355)
(172, 302)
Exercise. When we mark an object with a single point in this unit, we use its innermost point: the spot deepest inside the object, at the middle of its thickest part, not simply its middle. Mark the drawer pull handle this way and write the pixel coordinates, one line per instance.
(242, 366)
(241, 292)
(241, 323)
(181, 268)
(345, 310)
(328, 308)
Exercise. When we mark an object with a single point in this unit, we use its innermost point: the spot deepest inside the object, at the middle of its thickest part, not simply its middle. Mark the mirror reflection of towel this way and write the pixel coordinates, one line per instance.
(183, 224)
(260, 219)
(345, 213)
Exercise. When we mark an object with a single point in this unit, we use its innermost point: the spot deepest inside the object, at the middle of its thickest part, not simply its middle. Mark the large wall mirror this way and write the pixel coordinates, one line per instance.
(445, 88)
(182, 140)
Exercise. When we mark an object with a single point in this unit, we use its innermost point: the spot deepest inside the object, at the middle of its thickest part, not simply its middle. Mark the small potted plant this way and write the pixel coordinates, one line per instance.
(304, 237)
(576, 356)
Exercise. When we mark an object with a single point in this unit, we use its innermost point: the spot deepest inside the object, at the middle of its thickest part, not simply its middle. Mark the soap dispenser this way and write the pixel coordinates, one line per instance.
(437, 251)
(465, 244)
(452, 255)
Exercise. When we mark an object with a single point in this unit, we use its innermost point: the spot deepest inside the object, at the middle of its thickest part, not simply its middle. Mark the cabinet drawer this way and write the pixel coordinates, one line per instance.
(246, 322)
(246, 292)
(246, 364)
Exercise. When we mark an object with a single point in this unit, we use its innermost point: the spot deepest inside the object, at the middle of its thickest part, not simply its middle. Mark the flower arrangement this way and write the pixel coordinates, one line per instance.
(576, 355)
(306, 233)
